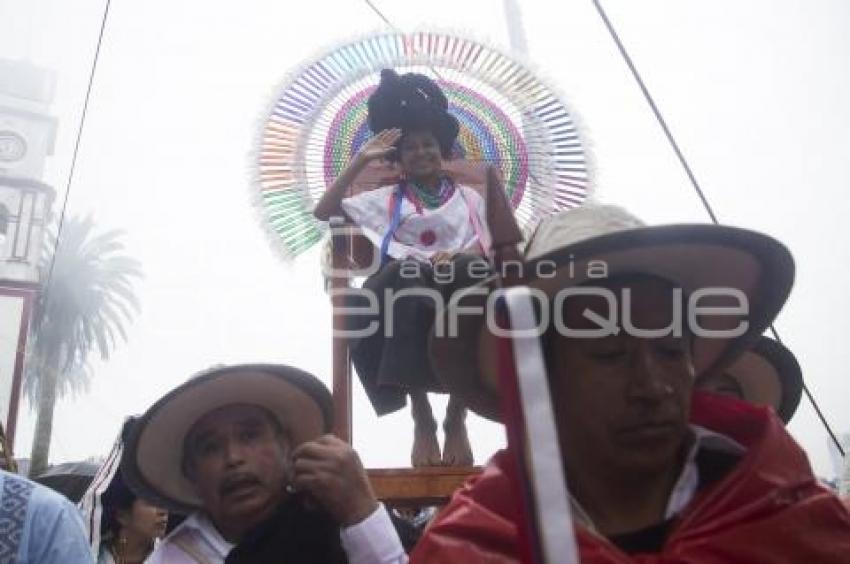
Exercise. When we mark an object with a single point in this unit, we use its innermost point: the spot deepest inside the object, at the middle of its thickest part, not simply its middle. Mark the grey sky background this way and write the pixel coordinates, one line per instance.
(756, 93)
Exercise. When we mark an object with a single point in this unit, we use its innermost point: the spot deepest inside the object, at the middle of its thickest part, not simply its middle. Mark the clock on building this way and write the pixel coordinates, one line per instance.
(13, 147)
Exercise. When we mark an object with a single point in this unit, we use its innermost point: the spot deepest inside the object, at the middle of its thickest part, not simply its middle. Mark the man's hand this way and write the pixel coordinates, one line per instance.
(331, 472)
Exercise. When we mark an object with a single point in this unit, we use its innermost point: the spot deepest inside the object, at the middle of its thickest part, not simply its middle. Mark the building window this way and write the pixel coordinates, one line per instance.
(4, 221)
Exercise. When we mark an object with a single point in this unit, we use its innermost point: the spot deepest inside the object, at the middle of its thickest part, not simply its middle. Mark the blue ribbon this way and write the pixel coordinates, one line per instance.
(394, 223)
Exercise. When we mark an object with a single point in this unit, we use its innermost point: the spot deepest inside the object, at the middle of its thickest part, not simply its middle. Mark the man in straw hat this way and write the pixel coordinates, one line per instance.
(766, 375)
(637, 316)
(244, 449)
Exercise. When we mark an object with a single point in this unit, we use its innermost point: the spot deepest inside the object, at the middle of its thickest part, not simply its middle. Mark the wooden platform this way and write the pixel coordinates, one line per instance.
(418, 487)
(398, 487)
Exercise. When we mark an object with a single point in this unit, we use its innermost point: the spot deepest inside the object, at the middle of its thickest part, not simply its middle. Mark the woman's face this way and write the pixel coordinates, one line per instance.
(419, 154)
(144, 519)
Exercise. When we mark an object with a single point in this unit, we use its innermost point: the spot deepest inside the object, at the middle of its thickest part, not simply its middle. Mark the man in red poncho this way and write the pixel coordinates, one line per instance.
(656, 472)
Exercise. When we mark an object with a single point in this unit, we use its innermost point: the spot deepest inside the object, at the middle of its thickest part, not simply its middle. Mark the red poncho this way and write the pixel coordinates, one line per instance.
(769, 508)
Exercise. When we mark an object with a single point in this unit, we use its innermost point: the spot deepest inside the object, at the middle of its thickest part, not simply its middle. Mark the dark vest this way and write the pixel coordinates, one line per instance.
(294, 535)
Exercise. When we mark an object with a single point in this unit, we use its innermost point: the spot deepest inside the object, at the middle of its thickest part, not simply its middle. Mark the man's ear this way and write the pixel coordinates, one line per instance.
(190, 472)
(188, 468)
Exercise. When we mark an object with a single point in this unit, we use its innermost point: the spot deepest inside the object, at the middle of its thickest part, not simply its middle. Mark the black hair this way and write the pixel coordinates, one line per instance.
(117, 497)
(412, 102)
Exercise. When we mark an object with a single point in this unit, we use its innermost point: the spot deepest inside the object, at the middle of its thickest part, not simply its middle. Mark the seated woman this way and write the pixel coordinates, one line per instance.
(430, 233)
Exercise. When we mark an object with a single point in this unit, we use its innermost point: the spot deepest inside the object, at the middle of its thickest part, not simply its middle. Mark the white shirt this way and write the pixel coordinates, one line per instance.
(688, 482)
(420, 235)
(197, 541)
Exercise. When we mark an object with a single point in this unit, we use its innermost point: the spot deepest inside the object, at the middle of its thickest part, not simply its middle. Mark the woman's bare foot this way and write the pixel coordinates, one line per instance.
(457, 451)
(426, 448)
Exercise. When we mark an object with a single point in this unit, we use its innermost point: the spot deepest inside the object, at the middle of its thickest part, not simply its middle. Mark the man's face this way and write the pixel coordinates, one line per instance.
(724, 384)
(622, 403)
(237, 459)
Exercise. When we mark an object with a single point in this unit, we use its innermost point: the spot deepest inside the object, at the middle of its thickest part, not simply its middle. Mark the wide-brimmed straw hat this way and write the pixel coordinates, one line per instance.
(153, 461)
(768, 374)
(568, 249)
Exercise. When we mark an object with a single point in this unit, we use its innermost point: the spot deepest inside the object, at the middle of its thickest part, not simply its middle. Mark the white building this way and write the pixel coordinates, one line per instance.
(27, 135)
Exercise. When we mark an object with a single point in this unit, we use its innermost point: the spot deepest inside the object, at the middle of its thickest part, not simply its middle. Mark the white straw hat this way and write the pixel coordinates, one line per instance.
(153, 464)
(568, 247)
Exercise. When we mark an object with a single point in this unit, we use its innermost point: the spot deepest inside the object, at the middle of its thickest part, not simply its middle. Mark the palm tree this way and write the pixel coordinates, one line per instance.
(86, 303)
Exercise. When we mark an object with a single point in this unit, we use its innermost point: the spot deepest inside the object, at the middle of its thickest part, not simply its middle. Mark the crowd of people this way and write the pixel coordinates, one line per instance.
(669, 404)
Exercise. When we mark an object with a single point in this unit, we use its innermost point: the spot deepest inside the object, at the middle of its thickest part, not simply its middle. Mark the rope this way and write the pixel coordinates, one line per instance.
(814, 403)
(76, 150)
(380, 14)
(395, 28)
(46, 294)
(684, 163)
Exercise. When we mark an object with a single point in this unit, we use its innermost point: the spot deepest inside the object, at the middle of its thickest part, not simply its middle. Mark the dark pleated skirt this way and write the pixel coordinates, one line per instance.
(394, 359)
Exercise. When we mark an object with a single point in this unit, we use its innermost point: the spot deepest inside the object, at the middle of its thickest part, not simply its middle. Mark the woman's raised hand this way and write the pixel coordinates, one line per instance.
(381, 145)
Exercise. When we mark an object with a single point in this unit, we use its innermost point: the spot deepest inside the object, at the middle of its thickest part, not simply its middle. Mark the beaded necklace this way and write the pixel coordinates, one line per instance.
(424, 198)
